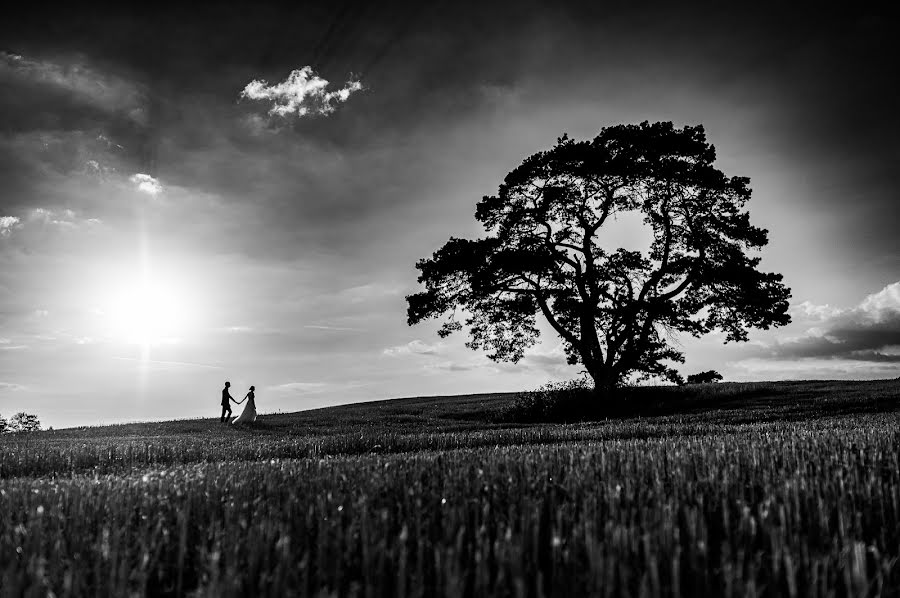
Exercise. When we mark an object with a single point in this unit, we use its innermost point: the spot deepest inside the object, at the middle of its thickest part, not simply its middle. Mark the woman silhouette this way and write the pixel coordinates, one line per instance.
(249, 414)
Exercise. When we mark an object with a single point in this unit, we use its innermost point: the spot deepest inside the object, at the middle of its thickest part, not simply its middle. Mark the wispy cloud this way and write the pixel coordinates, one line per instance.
(38, 218)
(301, 387)
(303, 93)
(64, 218)
(7, 345)
(314, 388)
(239, 329)
(544, 359)
(146, 184)
(335, 328)
(158, 364)
(107, 92)
(415, 347)
(366, 293)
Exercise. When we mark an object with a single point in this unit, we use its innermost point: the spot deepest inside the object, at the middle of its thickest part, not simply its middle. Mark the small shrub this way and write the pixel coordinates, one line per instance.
(572, 400)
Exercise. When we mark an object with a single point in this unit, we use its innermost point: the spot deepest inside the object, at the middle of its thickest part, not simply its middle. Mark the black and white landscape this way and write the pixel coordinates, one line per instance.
(637, 264)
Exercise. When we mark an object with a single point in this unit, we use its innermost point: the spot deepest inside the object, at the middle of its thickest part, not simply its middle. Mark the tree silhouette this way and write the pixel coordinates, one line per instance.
(704, 377)
(615, 310)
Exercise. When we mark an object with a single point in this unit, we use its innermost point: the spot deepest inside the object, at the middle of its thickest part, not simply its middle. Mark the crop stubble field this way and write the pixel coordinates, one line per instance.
(789, 489)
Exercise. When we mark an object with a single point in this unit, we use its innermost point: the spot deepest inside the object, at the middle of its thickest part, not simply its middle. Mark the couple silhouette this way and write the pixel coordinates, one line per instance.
(248, 415)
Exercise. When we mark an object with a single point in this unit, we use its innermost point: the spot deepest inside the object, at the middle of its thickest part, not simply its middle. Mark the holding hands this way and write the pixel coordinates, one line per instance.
(249, 413)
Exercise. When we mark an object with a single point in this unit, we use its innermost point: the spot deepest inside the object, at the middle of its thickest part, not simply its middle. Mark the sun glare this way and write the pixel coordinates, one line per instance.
(149, 312)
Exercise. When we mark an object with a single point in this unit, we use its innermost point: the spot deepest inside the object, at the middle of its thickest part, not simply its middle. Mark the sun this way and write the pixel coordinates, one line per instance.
(149, 312)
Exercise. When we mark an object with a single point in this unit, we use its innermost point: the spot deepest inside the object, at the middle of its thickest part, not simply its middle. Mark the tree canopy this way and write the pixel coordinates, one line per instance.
(706, 377)
(23, 422)
(616, 310)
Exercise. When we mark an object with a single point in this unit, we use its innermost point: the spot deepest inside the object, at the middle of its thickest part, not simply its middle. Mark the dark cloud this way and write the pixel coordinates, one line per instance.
(48, 95)
(427, 68)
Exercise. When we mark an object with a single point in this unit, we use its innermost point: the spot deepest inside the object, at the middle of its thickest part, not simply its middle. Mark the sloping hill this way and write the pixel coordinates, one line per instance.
(732, 402)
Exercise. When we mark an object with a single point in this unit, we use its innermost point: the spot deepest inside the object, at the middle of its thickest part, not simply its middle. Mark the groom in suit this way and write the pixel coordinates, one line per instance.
(226, 406)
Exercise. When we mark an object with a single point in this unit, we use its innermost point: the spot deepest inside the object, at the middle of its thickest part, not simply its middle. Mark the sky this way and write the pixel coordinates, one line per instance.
(241, 191)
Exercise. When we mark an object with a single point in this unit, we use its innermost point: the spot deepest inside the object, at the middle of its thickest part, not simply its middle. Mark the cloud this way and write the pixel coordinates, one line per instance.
(160, 365)
(62, 218)
(6, 344)
(303, 93)
(80, 82)
(455, 366)
(146, 184)
(544, 359)
(366, 293)
(110, 144)
(7, 224)
(868, 332)
(415, 347)
(300, 387)
(811, 311)
(810, 369)
(239, 329)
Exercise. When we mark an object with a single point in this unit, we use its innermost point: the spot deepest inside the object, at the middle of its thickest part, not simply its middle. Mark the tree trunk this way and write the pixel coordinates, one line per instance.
(606, 382)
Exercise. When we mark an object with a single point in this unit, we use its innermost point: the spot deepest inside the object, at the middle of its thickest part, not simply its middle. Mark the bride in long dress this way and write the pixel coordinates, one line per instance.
(248, 415)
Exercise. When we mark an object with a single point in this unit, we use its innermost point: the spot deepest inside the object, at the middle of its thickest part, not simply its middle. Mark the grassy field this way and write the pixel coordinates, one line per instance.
(775, 489)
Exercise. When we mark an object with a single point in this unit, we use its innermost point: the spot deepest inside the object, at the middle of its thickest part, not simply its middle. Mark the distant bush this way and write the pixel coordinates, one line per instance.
(704, 377)
(572, 400)
(23, 422)
(3, 424)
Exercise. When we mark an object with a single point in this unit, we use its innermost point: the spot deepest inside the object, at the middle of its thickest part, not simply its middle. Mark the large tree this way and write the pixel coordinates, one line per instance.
(616, 311)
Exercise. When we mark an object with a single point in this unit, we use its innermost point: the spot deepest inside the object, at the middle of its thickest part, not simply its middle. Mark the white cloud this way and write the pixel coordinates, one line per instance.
(7, 224)
(101, 171)
(812, 311)
(146, 184)
(63, 218)
(238, 329)
(883, 305)
(302, 93)
(109, 142)
(415, 347)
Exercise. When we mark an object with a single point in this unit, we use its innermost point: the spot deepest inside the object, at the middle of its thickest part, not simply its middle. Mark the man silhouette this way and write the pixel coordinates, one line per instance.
(226, 406)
